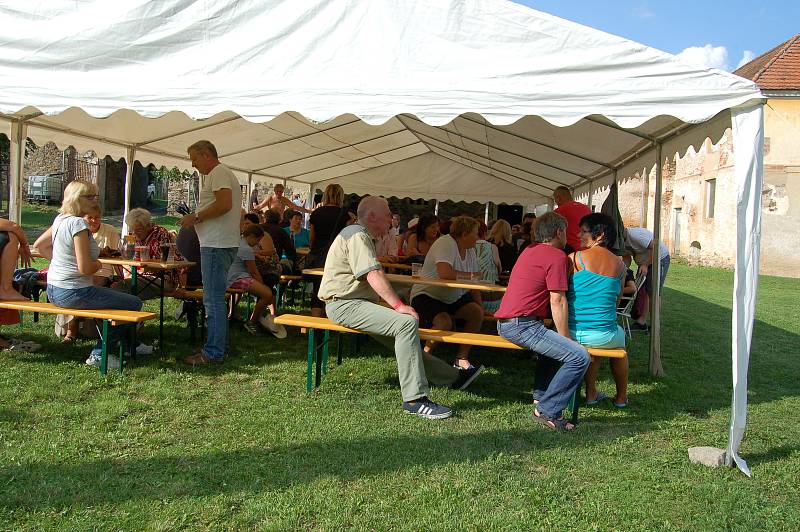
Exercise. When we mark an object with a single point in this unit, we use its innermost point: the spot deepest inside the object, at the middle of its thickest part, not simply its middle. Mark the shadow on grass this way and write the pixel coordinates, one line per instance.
(255, 470)
(696, 356)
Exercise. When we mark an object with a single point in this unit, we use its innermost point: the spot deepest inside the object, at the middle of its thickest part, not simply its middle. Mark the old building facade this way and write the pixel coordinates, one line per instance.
(698, 208)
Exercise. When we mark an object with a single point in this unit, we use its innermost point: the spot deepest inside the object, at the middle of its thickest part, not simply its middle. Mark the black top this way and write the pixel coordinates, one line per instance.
(328, 221)
(281, 240)
(508, 256)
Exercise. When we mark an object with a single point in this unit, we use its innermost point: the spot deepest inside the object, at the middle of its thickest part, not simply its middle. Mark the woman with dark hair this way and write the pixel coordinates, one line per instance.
(595, 285)
(427, 231)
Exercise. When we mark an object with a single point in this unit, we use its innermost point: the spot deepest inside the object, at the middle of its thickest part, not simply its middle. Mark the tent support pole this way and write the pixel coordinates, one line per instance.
(130, 158)
(645, 198)
(486, 214)
(19, 132)
(249, 190)
(656, 368)
(436, 207)
(590, 195)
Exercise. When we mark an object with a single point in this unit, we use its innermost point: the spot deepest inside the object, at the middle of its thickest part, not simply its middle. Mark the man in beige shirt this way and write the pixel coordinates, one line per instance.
(352, 283)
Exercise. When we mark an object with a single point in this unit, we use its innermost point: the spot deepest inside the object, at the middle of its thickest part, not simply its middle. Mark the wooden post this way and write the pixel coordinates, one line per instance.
(656, 369)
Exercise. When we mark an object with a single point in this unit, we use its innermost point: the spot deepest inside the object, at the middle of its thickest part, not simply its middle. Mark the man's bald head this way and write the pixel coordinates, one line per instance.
(562, 195)
(374, 214)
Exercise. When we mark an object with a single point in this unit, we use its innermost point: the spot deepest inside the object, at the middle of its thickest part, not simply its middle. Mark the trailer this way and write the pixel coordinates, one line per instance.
(46, 188)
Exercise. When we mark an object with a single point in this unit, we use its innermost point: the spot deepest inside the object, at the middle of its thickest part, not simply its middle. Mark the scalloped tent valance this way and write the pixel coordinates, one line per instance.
(456, 99)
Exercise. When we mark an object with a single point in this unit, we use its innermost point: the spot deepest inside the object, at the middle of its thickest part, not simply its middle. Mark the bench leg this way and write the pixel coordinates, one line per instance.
(573, 404)
(311, 355)
(318, 372)
(325, 352)
(104, 350)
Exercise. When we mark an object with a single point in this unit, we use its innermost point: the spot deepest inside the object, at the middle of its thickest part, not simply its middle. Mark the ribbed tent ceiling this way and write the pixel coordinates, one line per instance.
(465, 100)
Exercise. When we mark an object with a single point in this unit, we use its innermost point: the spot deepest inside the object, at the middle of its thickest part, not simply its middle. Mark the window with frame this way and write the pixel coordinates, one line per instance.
(711, 193)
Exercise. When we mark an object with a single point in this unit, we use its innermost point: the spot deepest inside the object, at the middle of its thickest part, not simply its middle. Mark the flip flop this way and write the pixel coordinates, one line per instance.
(621, 405)
(600, 397)
(559, 424)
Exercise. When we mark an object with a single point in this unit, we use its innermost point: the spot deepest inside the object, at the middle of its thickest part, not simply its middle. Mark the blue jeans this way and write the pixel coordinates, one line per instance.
(95, 297)
(215, 264)
(561, 366)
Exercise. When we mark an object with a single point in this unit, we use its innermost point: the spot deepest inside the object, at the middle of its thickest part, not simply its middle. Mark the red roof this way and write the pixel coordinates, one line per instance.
(778, 69)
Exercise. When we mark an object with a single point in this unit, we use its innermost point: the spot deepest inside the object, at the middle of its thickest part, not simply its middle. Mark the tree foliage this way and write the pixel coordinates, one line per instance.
(5, 149)
(172, 174)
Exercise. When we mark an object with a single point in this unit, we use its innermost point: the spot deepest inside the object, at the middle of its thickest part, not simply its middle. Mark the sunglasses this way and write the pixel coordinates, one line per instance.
(91, 196)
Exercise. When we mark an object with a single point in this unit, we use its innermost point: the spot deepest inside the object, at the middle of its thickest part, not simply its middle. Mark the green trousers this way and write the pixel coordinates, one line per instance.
(401, 332)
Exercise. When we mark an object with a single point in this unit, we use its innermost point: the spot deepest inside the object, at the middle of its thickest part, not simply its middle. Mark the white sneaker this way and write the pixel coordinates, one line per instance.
(95, 358)
(268, 322)
(144, 349)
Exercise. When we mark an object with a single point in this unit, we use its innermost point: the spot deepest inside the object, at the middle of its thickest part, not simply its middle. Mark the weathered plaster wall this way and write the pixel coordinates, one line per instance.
(712, 241)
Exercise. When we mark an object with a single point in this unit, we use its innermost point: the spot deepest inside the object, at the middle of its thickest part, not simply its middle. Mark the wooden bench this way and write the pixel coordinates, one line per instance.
(109, 317)
(318, 353)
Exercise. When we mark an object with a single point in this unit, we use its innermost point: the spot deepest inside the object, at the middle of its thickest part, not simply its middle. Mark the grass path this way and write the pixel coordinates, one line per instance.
(243, 446)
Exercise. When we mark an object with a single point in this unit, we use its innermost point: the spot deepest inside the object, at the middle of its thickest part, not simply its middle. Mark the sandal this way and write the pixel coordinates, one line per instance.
(559, 424)
(68, 339)
(600, 397)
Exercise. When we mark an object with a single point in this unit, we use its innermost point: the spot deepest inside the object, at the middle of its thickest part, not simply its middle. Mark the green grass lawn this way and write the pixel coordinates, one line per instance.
(244, 446)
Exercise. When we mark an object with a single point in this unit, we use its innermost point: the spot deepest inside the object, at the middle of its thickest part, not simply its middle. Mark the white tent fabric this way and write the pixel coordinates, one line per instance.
(480, 100)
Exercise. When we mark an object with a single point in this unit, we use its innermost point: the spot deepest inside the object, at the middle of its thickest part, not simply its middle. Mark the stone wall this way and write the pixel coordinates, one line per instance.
(46, 159)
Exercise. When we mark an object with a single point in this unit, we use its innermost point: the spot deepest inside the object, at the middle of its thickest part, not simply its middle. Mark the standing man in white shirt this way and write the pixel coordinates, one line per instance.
(639, 243)
(217, 224)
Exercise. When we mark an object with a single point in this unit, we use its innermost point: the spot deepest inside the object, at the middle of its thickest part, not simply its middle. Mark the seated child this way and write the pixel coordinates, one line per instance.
(244, 275)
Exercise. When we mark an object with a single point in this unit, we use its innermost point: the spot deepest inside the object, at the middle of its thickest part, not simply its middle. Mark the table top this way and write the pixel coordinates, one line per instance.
(148, 264)
(407, 279)
(396, 265)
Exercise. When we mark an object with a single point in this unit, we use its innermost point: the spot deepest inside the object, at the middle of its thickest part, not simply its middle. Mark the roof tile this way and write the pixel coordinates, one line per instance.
(778, 69)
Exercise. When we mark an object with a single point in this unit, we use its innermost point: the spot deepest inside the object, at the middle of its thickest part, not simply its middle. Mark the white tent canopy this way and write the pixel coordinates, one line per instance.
(473, 100)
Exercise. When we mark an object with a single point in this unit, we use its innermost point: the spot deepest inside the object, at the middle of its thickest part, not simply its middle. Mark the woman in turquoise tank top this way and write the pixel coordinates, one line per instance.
(595, 285)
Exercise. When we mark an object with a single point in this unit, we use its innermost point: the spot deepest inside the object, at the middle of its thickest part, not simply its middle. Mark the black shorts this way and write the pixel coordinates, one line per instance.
(4, 240)
(428, 307)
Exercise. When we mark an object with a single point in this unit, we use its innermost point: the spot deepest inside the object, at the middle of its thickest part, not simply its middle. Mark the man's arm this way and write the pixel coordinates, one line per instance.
(223, 202)
(559, 309)
(288, 203)
(263, 205)
(647, 261)
(377, 280)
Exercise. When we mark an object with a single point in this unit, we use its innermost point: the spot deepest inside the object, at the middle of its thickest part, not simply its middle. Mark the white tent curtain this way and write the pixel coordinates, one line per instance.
(748, 135)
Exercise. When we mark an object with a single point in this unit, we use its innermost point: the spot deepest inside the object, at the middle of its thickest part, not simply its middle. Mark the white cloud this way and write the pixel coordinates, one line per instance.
(705, 56)
(643, 11)
(747, 56)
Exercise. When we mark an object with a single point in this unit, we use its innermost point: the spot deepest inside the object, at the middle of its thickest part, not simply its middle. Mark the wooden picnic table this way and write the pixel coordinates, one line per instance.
(160, 269)
(408, 279)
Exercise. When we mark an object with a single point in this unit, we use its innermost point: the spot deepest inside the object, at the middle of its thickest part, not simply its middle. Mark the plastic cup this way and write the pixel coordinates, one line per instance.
(416, 268)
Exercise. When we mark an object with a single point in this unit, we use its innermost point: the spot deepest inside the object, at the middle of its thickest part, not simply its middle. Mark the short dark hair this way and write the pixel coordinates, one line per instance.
(252, 217)
(291, 213)
(273, 217)
(600, 224)
(253, 230)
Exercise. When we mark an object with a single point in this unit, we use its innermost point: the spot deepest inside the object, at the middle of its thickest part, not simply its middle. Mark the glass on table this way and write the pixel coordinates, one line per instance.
(416, 268)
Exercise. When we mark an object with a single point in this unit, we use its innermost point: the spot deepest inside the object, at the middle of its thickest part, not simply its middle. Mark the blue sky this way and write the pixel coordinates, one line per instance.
(713, 33)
